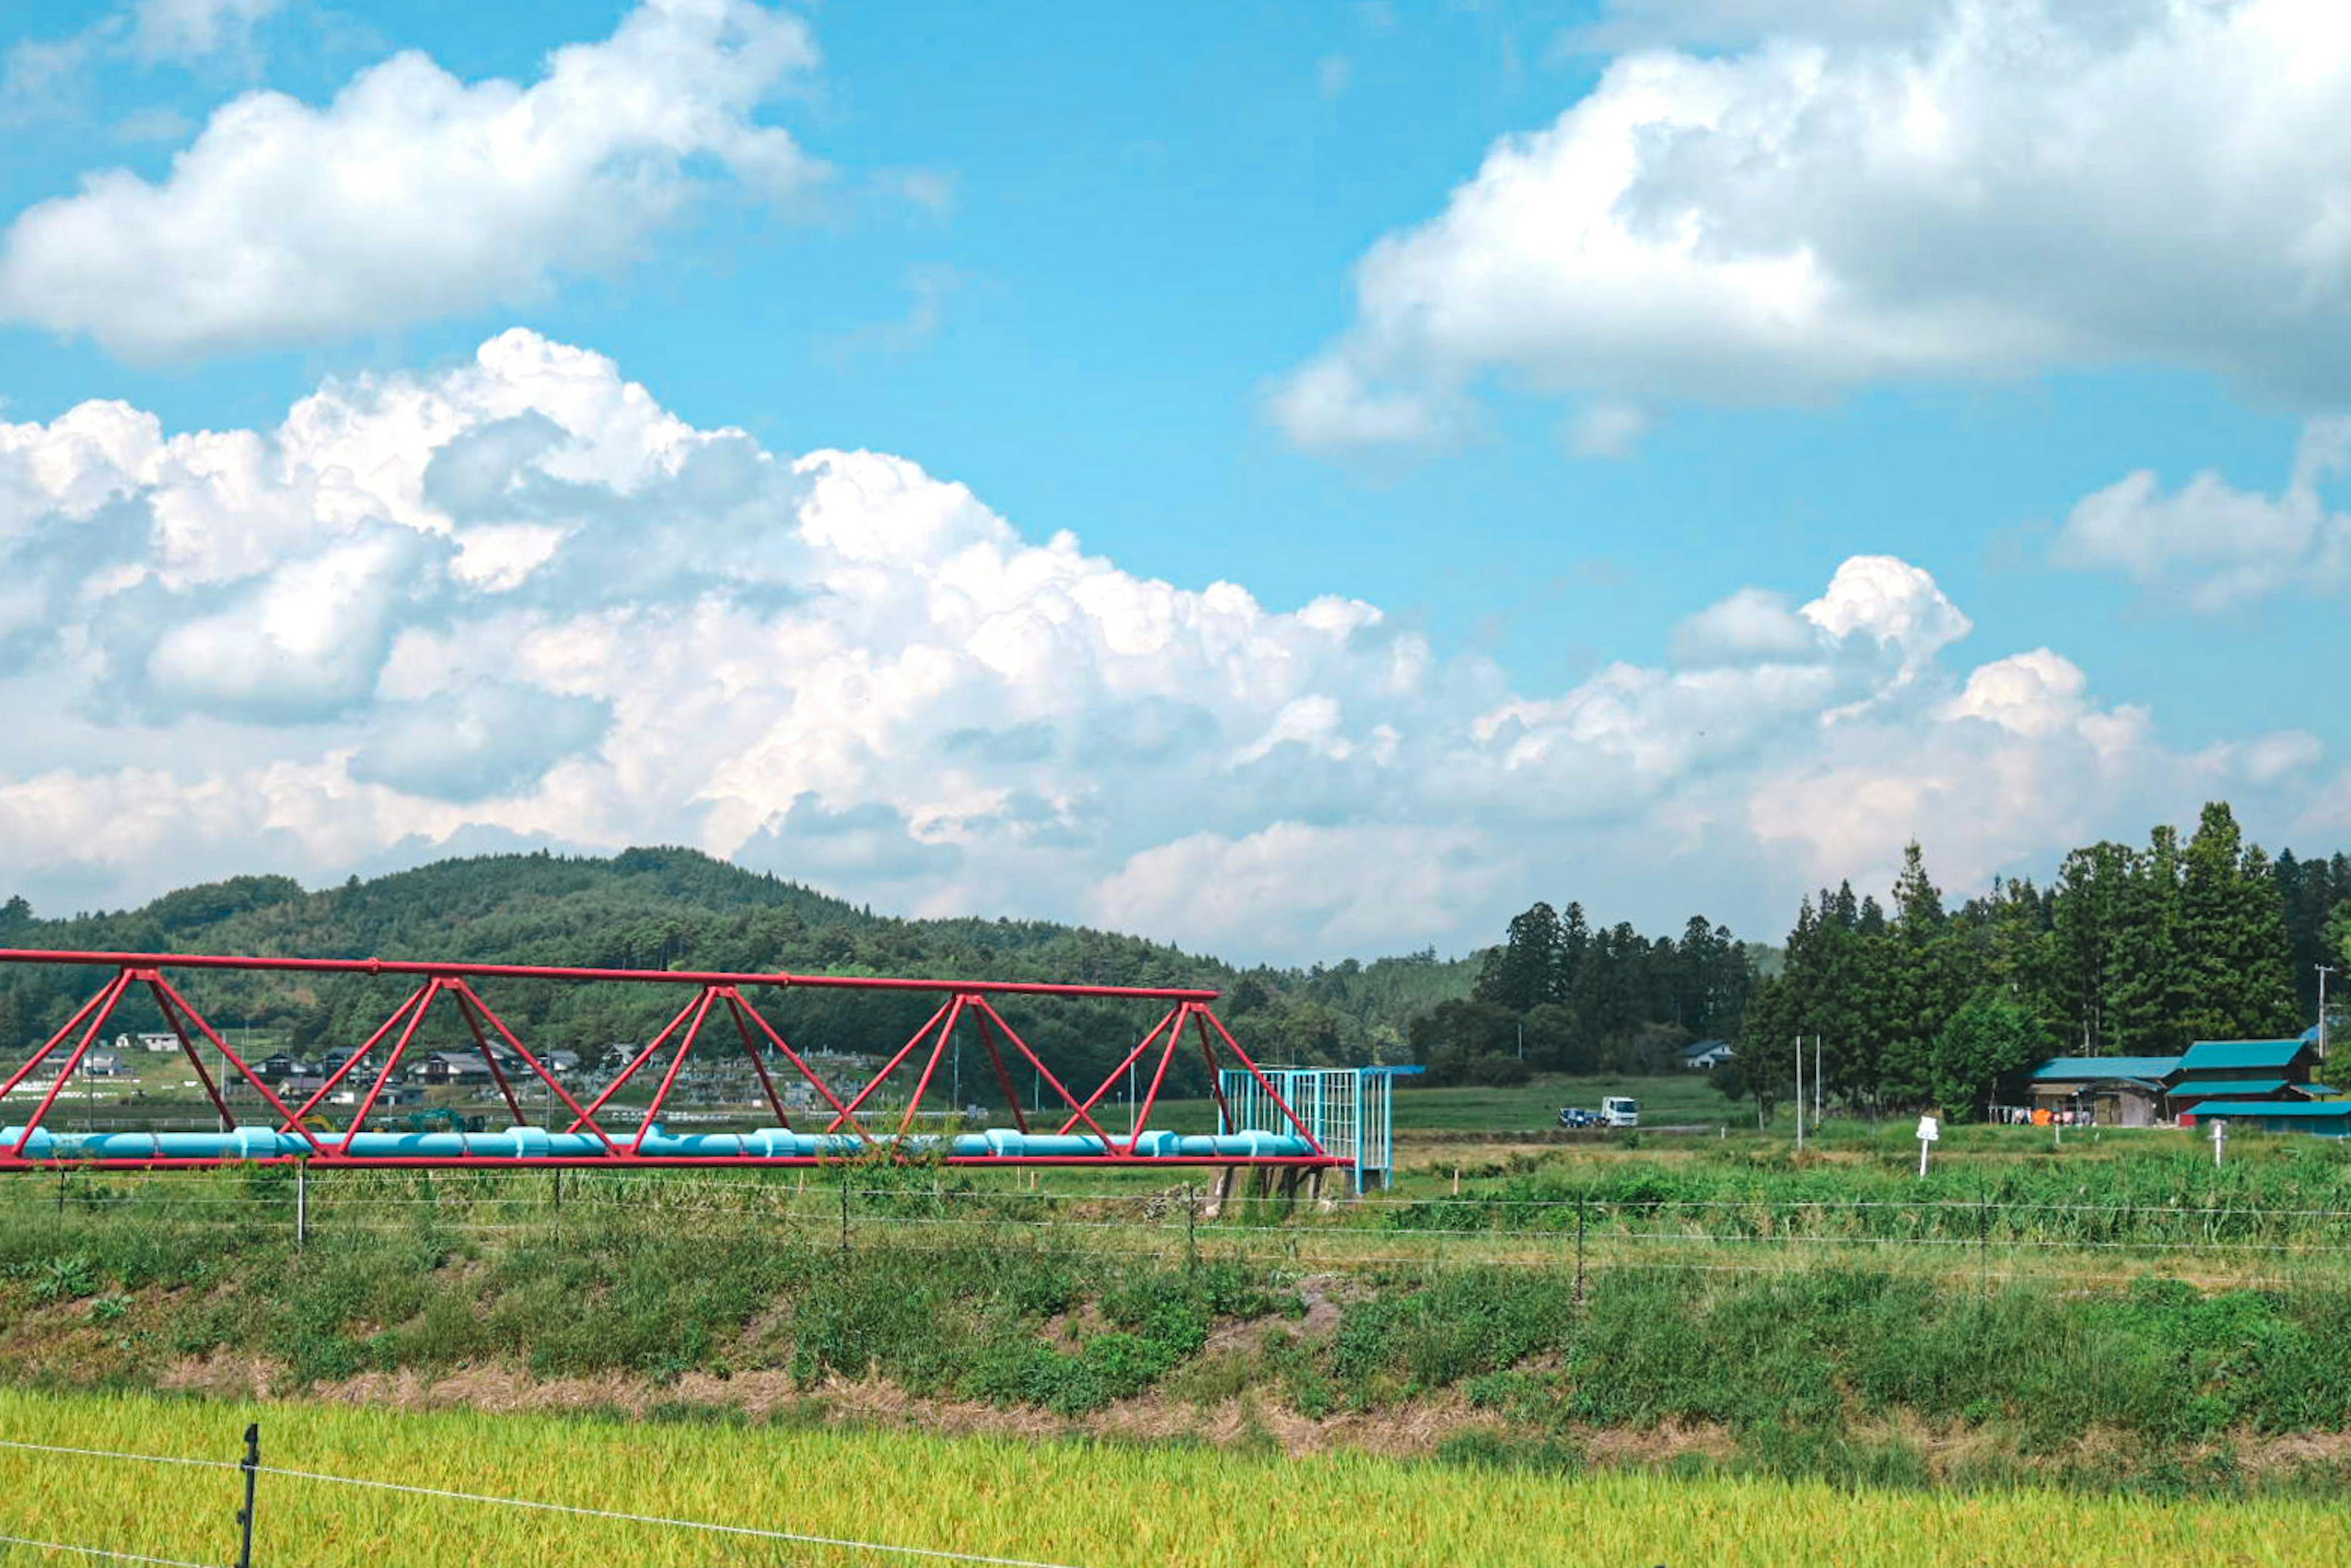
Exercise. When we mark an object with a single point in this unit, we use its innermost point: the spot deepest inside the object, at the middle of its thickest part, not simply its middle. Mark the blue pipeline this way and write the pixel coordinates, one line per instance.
(538, 1143)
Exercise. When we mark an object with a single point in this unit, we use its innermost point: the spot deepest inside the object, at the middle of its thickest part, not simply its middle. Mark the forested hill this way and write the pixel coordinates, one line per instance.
(661, 908)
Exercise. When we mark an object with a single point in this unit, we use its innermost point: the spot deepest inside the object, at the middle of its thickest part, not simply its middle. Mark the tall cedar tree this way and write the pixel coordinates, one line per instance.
(1566, 997)
(2129, 951)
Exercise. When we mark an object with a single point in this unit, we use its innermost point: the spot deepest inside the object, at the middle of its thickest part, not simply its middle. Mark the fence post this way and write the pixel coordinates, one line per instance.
(251, 1466)
(1191, 1229)
(844, 1209)
(1579, 1249)
(1983, 1242)
(61, 1192)
(301, 1204)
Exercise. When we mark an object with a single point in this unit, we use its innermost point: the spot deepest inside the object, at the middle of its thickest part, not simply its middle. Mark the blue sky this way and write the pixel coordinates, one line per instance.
(1870, 293)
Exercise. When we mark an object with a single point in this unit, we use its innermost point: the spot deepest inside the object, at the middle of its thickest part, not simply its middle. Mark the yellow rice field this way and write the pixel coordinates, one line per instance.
(1061, 1503)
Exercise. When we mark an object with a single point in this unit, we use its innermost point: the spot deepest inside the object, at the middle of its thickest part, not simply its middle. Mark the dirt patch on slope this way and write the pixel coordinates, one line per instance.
(1254, 1420)
(1413, 1429)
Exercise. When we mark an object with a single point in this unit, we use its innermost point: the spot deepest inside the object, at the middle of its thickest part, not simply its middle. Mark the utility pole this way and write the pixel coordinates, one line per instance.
(2324, 970)
(1800, 1093)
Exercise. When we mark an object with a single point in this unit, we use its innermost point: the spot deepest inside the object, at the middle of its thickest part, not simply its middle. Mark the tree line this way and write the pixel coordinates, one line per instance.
(2131, 950)
(1560, 995)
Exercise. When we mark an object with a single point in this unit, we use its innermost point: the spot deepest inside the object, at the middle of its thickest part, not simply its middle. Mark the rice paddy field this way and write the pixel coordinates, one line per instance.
(1082, 1505)
(1669, 1350)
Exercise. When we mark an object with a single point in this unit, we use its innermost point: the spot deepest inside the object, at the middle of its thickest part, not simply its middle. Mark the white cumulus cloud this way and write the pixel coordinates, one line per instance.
(519, 601)
(411, 194)
(2216, 545)
(1982, 188)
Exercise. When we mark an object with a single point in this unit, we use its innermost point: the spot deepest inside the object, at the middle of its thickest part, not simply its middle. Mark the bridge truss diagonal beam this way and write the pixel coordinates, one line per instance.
(309, 1130)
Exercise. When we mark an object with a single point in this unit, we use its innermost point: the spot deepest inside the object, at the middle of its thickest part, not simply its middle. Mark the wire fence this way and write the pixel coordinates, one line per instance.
(243, 1526)
(2008, 1235)
(87, 1552)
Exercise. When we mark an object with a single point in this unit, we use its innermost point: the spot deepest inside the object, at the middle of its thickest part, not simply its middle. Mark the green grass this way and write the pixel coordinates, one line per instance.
(1665, 1100)
(1497, 1504)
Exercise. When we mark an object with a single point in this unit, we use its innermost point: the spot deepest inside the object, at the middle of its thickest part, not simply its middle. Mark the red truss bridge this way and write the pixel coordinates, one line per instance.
(719, 1012)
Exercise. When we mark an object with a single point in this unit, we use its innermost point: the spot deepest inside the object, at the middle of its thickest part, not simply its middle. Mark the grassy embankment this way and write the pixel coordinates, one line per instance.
(1106, 1506)
(707, 1298)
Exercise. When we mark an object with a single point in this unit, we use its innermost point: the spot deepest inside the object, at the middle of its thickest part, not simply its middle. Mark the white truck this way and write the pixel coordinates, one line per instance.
(1616, 1111)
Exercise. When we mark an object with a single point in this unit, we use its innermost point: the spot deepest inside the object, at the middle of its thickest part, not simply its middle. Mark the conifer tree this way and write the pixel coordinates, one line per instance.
(2088, 921)
(1911, 974)
(1522, 974)
(2143, 983)
(2232, 957)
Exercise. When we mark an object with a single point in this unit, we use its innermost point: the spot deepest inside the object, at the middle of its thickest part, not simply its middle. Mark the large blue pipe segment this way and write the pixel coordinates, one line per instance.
(536, 1143)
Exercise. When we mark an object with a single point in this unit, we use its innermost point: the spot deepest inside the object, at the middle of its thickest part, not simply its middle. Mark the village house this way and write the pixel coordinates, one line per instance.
(453, 1067)
(2245, 1071)
(2118, 1090)
(2236, 1077)
(1701, 1056)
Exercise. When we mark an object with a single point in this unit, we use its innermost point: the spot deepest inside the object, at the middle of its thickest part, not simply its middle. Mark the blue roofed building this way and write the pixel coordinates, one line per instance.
(2273, 1084)
(2246, 1071)
(2328, 1118)
(2118, 1090)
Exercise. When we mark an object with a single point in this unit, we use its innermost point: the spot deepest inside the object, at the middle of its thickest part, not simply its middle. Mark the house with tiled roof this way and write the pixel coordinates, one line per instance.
(2118, 1091)
(2245, 1071)
(2268, 1081)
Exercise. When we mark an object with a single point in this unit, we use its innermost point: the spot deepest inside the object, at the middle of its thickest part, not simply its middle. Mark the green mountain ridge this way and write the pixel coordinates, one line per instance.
(670, 907)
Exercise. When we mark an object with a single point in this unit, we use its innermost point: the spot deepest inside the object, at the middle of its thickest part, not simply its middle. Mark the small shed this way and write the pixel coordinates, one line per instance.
(2326, 1118)
(391, 1094)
